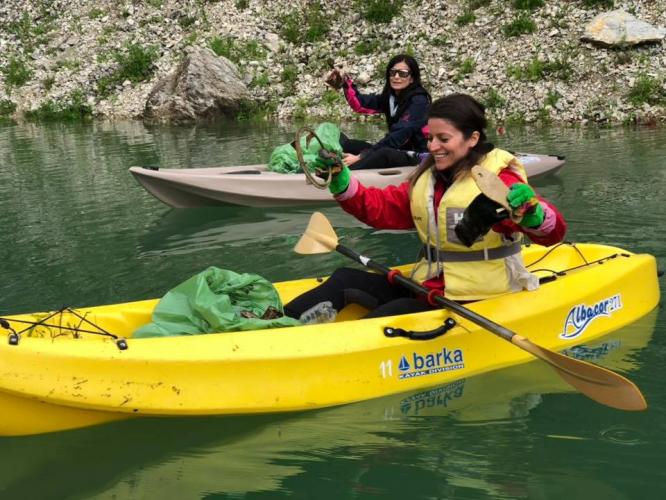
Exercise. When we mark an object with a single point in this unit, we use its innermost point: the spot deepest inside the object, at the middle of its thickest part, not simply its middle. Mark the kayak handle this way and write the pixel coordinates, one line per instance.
(424, 335)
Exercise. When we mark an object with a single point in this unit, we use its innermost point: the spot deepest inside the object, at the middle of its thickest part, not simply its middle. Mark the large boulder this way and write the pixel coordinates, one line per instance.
(203, 85)
(620, 29)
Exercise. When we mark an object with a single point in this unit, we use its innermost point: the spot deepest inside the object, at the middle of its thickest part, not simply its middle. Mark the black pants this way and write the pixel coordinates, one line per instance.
(378, 158)
(371, 290)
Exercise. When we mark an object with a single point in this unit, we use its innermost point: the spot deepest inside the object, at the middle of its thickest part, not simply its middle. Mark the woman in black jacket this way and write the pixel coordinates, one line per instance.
(404, 102)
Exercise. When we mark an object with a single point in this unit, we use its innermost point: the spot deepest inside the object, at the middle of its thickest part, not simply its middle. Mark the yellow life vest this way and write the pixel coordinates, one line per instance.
(493, 264)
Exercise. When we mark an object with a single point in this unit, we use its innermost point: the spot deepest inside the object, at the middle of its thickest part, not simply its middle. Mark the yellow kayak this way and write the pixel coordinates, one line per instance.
(60, 375)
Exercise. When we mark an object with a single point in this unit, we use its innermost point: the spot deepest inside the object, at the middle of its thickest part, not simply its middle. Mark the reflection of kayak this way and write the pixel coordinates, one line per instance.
(181, 458)
(255, 186)
(53, 379)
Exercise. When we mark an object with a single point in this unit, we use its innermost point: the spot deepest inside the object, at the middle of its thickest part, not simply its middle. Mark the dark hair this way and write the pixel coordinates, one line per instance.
(415, 73)
(467, 115)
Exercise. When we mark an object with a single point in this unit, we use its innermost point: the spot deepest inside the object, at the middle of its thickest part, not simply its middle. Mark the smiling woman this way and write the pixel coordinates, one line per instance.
(462, 260)
(404, 103)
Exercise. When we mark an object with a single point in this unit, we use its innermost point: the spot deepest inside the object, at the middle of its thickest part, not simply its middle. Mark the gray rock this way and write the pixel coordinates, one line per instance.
(203, 86)
(619, 29)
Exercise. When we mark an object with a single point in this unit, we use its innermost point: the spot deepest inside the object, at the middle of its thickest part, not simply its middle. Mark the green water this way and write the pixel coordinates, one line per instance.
(78, 230)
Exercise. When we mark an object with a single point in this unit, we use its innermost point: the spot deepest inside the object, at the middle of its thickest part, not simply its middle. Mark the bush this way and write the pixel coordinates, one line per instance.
(7, 107)
(74, 110)
(289, 75)
(647, 90)
(366, 47)
(527, 4)
(237, 51)
(536, 70)
(16, 72)
(466, 17)
(519, 26)
(599, 3)
(379, 11)
(493, 100)
(137, 65)
(465, 68)
(308, 26)
(254, 111)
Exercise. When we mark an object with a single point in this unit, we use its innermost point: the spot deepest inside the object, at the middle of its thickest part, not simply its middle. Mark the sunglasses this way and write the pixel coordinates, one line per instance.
(402, 73)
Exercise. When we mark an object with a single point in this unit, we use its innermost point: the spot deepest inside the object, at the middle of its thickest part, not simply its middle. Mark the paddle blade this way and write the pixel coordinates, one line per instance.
(597, 383)
(319, 236)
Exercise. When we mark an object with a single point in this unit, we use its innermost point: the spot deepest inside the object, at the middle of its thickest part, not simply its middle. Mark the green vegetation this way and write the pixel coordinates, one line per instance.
(136, 65)
(251, 110)
(599, 3)
(537, 69)
(493, 99)
(301, 108)
(75, 109)
(7, 107)
(307, 26)
(379, 11)
(527, 4)
(465, 67)
(96, 13)
(439, 41)
(242, 4)
(16, 72)
(48, 82)
(29, 32)
(260, 80)
(543, 116)
(366, 47)
(515, 119)
(552, 98)
(237, 50)
(331, 98)
(289, 76)
(521, 25)
(477, 4)
(465, 18)
(647, 89)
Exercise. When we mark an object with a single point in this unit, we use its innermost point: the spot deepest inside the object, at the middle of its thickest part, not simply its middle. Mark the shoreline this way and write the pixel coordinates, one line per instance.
(80, 59)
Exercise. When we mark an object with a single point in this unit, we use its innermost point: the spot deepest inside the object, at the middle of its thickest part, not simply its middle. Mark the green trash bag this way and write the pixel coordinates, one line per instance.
(216, 300)
(283, 158)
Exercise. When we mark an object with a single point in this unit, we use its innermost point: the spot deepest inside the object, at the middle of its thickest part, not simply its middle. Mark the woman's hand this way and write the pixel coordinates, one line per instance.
(350, 159)
(524, 203)
(335, 79)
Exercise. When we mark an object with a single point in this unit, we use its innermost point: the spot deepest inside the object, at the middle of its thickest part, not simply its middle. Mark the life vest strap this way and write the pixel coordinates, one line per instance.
(471, 256)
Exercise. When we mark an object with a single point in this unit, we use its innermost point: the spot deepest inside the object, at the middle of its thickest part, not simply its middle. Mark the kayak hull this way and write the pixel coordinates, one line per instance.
(51, 381)
(256, 186)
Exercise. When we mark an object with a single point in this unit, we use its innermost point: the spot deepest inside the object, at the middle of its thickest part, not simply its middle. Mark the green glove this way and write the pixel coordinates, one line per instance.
(340, 181)
(524, 203)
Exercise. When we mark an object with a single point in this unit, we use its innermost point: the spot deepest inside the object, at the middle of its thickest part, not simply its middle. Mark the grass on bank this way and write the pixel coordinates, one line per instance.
(72, 110)
(16, 73)
(136, 64)
(647, 90)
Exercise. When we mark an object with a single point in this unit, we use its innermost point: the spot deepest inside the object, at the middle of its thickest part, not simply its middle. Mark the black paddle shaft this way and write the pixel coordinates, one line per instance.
(412, 286)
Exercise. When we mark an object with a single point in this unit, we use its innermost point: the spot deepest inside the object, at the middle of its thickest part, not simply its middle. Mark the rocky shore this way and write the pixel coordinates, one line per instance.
(525, 59)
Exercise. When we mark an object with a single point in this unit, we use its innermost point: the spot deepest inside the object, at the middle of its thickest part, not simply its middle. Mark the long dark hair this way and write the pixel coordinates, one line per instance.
(467, 115)
(414, 88)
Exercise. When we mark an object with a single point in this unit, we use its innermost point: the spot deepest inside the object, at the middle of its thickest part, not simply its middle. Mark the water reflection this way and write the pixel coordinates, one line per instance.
(438, 429)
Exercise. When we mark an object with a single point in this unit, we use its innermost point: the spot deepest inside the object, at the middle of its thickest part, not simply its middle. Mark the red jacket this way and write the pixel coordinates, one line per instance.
(389, 208)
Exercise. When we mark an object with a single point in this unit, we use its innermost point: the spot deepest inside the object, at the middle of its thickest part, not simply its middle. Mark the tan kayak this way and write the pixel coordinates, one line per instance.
(255, 186)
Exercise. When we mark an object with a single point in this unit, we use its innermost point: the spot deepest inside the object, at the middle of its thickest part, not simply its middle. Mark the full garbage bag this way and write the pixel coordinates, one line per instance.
(284, 160)
(217, 300)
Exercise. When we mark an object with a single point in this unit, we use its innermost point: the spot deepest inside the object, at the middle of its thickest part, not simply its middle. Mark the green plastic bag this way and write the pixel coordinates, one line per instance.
(283, 158)
(215, 300)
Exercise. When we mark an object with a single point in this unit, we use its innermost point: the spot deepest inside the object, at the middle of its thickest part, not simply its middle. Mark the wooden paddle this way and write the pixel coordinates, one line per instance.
(602, 385)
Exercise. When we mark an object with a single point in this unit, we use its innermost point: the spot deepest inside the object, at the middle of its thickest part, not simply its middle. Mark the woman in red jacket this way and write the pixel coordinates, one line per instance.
(462, 261)
(404, 102)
